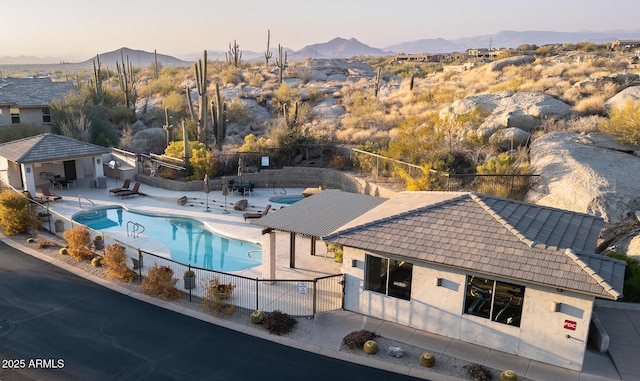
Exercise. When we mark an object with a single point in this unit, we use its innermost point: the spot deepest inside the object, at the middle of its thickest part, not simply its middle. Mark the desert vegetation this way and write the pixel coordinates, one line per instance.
(387, 107)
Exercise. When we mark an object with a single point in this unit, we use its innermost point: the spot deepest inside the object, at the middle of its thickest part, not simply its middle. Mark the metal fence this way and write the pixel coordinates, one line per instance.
(296, 297)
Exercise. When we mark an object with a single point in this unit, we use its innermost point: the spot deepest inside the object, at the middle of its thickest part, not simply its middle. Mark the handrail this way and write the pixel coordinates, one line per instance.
(80, 202)
(136, 228)
(253, 251)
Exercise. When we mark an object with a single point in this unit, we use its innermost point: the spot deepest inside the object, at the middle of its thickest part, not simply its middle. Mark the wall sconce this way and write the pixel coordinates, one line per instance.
(98, 161)
(354, 263)
(438, 282)
(28, 169)
(555, 306)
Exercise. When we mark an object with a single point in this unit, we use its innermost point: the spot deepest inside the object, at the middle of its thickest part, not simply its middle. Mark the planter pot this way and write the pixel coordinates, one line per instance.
(223, 295)
(59, 226)
(189, 283)
(99, 244)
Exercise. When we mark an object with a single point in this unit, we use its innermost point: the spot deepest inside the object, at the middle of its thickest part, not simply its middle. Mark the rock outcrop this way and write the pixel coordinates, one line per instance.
(621, 98)
(522, 110)
(589, 174)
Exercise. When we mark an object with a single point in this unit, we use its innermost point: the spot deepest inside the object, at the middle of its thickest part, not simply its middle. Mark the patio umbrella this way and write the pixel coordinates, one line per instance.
(207, 190)
(225, 192)
(240, 167)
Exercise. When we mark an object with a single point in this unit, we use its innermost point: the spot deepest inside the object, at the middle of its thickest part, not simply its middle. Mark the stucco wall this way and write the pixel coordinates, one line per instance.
(439, 309)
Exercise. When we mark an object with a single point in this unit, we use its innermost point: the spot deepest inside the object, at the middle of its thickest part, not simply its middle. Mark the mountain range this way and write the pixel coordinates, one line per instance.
(344, 48)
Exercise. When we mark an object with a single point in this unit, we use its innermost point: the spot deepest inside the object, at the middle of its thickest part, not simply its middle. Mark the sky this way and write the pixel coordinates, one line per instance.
(80, 29)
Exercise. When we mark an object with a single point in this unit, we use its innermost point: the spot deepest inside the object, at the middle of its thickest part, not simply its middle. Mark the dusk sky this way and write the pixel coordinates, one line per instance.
(79, 29)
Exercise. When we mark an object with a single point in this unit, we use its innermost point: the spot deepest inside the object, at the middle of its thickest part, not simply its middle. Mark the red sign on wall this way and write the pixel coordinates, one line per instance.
(570, 325)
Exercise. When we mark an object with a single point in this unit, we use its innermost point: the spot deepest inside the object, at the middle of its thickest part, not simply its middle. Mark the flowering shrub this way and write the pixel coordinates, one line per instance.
(15, 214)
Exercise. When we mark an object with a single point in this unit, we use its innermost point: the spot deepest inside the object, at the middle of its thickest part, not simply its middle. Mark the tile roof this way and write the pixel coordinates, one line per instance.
(320, 214)
(490, 235)
(48, 147)
(32, 92)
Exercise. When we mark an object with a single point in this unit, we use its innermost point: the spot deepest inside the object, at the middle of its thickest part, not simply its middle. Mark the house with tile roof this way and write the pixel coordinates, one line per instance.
(31, 162)
(507, 275)
(26, 101)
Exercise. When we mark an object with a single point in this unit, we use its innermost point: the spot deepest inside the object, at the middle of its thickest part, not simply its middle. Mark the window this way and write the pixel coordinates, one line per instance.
(46, 115)
(494, 300)
(15, 115)
(388, 276)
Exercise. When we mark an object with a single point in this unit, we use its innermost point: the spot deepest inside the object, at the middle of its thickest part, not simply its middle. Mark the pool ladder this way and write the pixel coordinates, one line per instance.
(136, 229)
(253, 251)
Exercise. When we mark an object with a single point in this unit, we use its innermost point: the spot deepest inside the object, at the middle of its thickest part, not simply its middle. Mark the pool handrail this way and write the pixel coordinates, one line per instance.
(80, 201)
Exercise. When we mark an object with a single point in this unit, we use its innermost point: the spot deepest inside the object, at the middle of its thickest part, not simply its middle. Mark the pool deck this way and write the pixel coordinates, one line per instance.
(231, 224)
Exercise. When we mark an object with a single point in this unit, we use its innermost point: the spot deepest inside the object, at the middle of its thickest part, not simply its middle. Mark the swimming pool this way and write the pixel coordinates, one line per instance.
(286, 199)
(189, 241)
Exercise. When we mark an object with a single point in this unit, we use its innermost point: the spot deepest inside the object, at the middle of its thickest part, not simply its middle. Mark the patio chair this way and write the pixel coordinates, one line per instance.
(135, 191)
(257, 215)
(125, 187)
(50, 196)
(39, 200)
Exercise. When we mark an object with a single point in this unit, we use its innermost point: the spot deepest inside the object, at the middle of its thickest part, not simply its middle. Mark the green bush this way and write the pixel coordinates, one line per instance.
(279, 323)
(356, 339)
(631, 289)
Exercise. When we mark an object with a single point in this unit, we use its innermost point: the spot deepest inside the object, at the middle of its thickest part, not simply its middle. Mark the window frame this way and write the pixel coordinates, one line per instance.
(46, 115)
(505, 300)
(15, 115)
(379, 276)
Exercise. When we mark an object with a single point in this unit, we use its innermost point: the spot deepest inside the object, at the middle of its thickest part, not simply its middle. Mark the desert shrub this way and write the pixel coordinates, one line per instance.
(115, 263)
(631, 290)
(43, 243)
(624, 123)
(591, 105)
(79, 241)
(356, 339)
(160, 282)
(303, 73)
(279, 323)
(216, 296)
(254, 79)
(16, 215)
(237, 112)
(478, 372)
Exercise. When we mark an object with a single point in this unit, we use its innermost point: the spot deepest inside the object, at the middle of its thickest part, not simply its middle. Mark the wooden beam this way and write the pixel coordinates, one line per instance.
(292, 250)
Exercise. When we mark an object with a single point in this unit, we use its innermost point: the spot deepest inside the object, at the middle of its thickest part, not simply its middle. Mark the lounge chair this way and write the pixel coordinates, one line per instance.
(257, 215)
(50, 196)
(125, 187)
(39, 200)
(133, 192)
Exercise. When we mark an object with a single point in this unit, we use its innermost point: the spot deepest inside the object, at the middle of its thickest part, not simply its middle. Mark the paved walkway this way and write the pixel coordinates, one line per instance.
(623, 325)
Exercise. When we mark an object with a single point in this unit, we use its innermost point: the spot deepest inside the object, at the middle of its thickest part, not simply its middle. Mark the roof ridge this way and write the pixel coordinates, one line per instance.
(592, 273)
(396, 216)
(475, 197)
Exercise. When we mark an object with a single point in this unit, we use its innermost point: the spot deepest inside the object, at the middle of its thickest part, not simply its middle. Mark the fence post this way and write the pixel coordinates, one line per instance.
(190, 286)
(140, 265)
(315, 295)
(257, 296)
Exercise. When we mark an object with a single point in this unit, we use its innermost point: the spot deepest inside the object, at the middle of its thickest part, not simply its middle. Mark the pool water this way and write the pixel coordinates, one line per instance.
(284, 199)
(188, 240)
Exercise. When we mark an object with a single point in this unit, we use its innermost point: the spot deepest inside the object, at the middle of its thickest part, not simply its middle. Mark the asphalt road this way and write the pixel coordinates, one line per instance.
(57, 326)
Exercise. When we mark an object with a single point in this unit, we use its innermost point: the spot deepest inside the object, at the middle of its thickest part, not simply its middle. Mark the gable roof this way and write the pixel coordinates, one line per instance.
(48, 147)
(490, 235)
(32, 92)
(320, 214)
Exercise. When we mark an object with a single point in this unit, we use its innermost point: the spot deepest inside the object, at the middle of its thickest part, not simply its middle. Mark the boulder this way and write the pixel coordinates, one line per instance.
(507, 109)
(147, 140)
(618, 100)
(510, 61)
(241, 205)
(586, 174)
(510, 138)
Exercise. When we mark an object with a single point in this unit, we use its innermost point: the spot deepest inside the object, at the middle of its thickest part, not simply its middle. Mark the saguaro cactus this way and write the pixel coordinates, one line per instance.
(97, 79)
(219, 118)
(200, 70)
(281, 62)
(235, 54)
(187, 150)
(268, 54)
(127, 81)
(376, 82)
(167, 126)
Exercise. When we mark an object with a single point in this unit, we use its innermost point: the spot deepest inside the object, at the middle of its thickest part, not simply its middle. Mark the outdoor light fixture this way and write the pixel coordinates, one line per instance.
(438, 282)
(354, 263)
(555, 306)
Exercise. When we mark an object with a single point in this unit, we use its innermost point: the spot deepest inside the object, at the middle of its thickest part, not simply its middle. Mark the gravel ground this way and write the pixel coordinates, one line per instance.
(445, 365)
